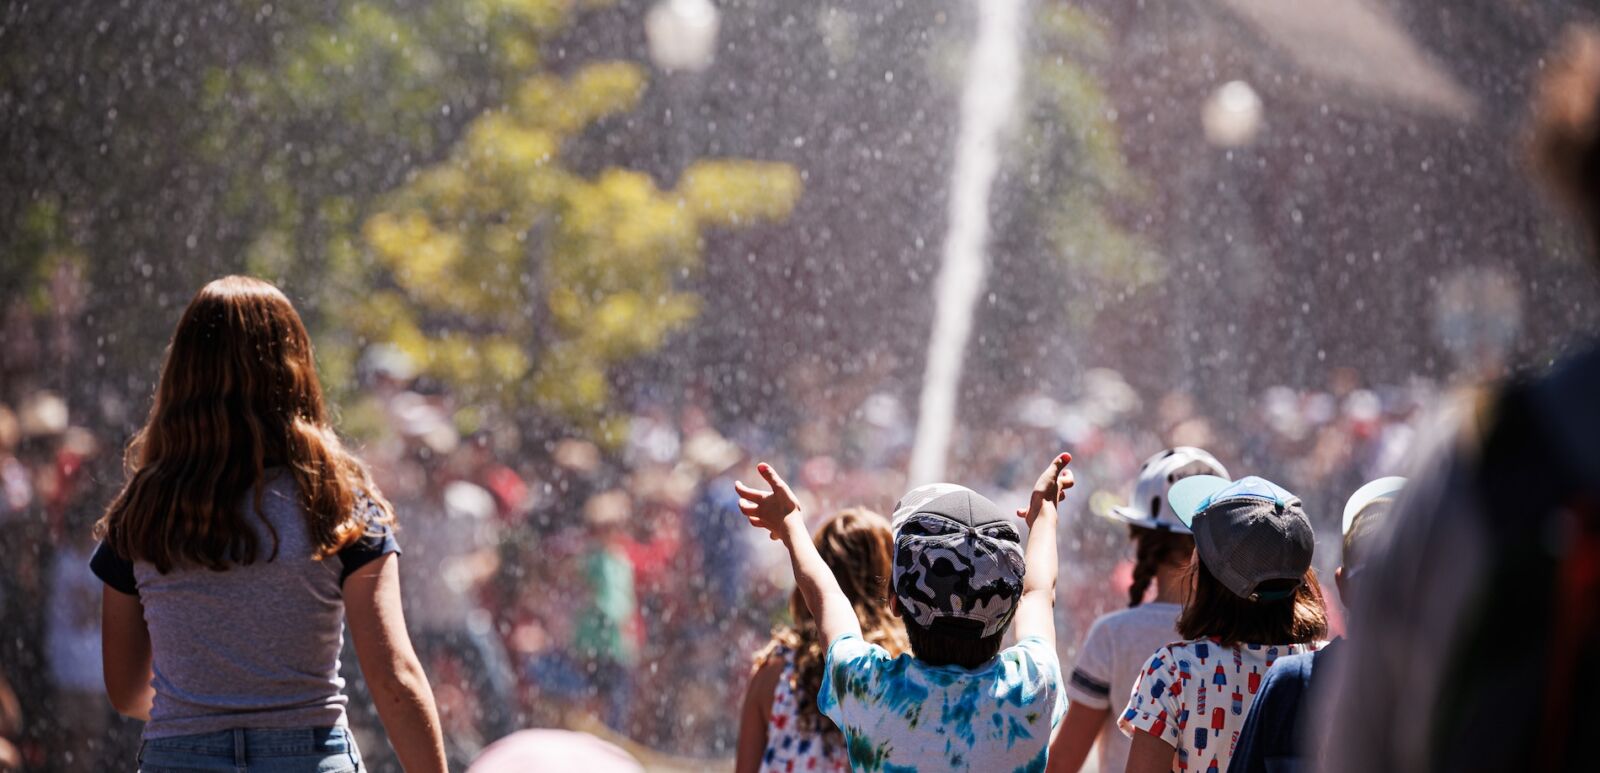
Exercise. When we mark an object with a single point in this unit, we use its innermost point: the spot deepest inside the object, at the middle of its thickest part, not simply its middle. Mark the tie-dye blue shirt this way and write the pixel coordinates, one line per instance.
(899, 714)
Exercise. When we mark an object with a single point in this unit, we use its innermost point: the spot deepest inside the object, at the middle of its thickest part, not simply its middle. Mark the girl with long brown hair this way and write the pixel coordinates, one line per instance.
(780, 722)
(1119, 643)
(244, 537)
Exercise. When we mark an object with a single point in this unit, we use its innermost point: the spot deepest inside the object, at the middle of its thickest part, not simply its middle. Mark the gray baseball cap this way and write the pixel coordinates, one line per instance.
(1247, 532)
(957, 560)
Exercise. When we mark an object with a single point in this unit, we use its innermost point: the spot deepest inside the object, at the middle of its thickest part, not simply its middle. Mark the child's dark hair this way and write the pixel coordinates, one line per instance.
(1153, 549)
(949, 644)
(1213, 611)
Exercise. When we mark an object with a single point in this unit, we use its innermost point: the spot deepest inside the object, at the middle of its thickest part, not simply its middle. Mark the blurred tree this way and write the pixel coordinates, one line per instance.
(511, 276)
(1063, 194)
(409, 170)
(1069, 158)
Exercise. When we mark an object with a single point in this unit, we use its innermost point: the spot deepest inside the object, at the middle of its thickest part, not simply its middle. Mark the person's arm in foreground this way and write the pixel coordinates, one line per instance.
(10, 727)
(1079, 728)
(394, 674)
(753, 717)
(1036, 614)
(1149, 754)
(125, 654)
(778, 512)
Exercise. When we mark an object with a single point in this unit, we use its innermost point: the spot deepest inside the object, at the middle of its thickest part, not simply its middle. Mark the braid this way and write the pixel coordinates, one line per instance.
(1145, 563)
(1152, 550)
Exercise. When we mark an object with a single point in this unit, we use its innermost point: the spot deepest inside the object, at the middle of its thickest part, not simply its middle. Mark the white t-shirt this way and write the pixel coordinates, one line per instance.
(898, 713)
(1117, 646)
(1195, 695)
(440, 594)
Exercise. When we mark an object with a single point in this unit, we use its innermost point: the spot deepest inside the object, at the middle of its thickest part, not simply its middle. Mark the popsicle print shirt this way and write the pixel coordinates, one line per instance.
(1195, 695)
(899, 714)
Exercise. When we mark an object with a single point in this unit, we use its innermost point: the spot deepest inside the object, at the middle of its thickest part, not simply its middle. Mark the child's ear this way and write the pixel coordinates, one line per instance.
(894, 605)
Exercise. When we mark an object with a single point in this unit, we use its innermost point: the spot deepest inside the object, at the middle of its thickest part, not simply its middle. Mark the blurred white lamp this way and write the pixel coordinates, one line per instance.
(682, 34)
(1232, 115)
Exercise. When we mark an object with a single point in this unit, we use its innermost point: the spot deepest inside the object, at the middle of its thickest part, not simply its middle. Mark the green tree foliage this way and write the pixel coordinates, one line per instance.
(510, 274)
(1065, 196)
(1070, 153)
(488, 258)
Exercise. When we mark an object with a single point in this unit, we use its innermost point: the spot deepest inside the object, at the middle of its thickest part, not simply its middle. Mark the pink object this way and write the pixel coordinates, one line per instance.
(529, 750)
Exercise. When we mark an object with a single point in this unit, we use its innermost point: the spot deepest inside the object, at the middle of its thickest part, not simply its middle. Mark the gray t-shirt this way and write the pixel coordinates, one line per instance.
(1115, 651)
(256, 646)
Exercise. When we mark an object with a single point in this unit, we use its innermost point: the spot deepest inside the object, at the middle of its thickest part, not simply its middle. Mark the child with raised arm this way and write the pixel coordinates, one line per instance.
(956, 702)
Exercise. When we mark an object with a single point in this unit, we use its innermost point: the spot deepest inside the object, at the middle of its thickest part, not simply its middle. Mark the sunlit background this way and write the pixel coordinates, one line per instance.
(553, 248)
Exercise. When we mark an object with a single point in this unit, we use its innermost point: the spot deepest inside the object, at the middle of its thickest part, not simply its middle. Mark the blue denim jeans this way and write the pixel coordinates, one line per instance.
(301, 750)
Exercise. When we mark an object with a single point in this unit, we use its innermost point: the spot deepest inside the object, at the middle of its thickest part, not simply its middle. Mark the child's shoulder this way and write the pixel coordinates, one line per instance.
(853, 651)
(1032, 654)
(1168, 654)
(1138, 616)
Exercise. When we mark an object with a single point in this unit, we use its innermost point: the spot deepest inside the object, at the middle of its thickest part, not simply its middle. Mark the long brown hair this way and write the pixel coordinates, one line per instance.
(858, 545)
(238, 393)
(1153, 549)
(1213, 611)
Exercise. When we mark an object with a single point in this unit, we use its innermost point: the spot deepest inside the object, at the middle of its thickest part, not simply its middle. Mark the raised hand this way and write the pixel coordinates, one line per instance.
(768, 509)
(1051, 487)
(778, 511)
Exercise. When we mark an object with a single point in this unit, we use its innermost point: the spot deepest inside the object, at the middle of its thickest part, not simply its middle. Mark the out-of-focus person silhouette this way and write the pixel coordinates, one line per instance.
(606, 636)
(453, 528)
(1481, 612)
(72, 617)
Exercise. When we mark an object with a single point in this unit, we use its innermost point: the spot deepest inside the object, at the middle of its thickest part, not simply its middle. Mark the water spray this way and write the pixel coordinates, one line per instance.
(994, 72)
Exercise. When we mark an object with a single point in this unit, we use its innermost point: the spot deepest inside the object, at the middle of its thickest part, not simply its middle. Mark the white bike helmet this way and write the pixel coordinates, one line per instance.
(1149, 508)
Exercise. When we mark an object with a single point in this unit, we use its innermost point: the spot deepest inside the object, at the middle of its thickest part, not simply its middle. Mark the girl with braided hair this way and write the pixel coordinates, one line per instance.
(1119, 643)
(780, 726)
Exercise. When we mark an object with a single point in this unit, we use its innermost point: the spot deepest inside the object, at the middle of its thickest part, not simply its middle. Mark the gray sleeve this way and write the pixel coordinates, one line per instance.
(1090, 681)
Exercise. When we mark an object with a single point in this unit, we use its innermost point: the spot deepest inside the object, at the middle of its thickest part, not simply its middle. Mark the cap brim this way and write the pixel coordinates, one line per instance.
(1133, 517)
(1187, 495)
(1378, 489)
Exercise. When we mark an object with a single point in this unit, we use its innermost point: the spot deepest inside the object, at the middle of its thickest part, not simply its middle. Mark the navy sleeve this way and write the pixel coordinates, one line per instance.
(375, 543)
(114, 570)
(1267, 741)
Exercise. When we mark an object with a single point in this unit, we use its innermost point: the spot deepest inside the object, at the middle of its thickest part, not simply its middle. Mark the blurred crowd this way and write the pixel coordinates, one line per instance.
(612, 587)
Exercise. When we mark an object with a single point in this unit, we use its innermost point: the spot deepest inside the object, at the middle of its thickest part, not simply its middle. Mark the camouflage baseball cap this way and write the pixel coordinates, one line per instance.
(957, 560)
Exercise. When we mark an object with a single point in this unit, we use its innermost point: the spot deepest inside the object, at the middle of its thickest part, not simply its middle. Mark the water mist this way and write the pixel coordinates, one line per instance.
(994, 70)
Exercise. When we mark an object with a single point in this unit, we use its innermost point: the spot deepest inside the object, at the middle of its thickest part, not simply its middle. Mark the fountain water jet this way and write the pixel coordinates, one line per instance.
(994, 70)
